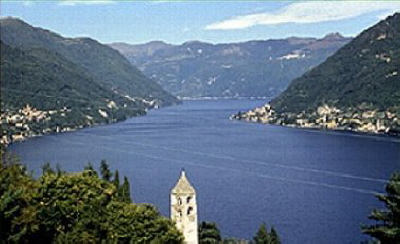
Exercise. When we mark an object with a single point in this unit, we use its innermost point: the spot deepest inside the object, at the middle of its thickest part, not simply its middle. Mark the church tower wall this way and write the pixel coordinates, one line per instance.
(184, 209)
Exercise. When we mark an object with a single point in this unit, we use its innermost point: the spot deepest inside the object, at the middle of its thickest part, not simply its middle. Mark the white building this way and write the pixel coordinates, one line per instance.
(184, 209)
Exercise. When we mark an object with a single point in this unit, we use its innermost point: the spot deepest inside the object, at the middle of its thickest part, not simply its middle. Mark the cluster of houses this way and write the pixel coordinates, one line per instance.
(25, 122)
(326, 117)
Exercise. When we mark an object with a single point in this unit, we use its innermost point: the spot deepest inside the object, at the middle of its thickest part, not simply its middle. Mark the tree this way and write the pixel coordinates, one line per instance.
(90, 170)
(59, 171)
(46, 169)
(105, 170)
(262, 236)
(74, 208)
(140, 223)
(118, 187)
(17, 191)
(387, 228)
(125, 191)
(209, 233)
(116, 179)
(274, 236)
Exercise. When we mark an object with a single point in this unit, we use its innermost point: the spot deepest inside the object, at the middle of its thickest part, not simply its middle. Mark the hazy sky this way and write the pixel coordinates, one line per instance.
(209, 21)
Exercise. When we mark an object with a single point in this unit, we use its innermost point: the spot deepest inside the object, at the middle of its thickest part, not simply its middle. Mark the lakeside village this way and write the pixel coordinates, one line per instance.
(17, 125)
(364, 119)
(20, 124)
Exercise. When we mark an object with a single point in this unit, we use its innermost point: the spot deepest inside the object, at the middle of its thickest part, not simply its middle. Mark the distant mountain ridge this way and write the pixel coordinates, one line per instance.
(51, 83)
(247, 69)
(357, 88)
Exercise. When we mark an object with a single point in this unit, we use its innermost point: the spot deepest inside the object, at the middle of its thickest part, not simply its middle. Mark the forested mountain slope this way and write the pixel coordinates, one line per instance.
(357, 88)
(364, 71)
(51, 84)
(105, 65)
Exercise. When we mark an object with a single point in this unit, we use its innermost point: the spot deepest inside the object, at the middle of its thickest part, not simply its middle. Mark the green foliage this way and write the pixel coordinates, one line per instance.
(90, 170)
(125, 191)
(141, 223)
(105, 170)
(233, 240)
(46, 169)
(387, 229)
(116, 179)
(274, 236)
(74, 208)
(209, 233)
(263, 237)
(365, 66)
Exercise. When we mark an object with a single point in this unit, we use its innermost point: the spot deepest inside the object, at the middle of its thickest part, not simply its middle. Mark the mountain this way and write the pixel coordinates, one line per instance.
(141, 50)
(247, 69)
(357, 88)
(105, 65)
(50, 83)
(363, 71)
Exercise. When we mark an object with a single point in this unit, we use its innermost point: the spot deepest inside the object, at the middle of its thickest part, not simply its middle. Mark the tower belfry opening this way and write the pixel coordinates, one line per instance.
(184, 209)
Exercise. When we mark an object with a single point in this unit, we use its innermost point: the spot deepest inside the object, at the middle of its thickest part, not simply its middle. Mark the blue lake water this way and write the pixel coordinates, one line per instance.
(313, 186)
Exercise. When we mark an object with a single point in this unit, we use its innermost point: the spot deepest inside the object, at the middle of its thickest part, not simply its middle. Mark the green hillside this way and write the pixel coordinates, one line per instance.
(365, 71)
(356, 89)
(47, 81)
(52, 84)
(104, 64)
(62, 94)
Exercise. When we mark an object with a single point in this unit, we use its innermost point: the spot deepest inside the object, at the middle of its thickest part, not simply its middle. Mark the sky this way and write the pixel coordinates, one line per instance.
(177, 22)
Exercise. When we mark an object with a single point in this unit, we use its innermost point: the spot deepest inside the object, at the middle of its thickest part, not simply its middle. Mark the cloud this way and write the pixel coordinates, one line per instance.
(308, 12)
(85, 2)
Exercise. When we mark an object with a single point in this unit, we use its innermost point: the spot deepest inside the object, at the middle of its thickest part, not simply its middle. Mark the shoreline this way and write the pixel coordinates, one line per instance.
(362, 120)
(80, 127)
(392, 138)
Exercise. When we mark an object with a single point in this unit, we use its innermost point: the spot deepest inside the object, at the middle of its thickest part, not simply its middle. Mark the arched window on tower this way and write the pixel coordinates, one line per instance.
(188, 199)
(189, 210)
(179, 201)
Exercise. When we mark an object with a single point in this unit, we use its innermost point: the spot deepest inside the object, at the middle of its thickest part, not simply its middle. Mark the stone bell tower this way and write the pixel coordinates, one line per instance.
(184, 209)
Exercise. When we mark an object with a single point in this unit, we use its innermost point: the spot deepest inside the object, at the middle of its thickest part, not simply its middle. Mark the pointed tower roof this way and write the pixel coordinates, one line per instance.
(183, 185)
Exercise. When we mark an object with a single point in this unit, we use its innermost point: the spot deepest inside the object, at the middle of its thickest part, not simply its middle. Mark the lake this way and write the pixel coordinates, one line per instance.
(312, 186)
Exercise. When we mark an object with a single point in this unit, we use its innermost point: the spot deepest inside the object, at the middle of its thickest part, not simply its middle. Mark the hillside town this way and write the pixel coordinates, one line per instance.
(364, 119)
(29, 122)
